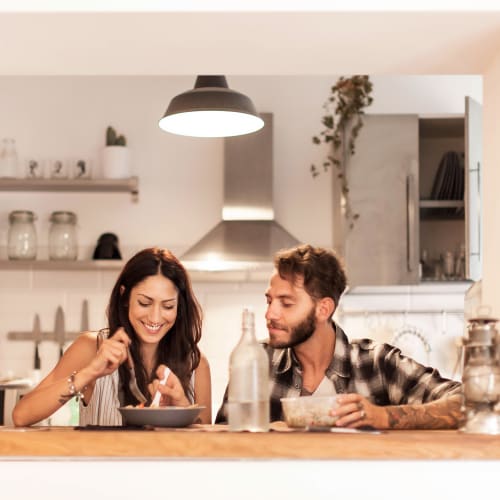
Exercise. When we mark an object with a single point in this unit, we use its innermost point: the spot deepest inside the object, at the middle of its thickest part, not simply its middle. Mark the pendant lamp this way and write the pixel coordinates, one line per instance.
(211, 109)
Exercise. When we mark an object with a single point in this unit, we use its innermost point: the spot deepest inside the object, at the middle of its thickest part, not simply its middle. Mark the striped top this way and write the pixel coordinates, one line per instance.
(102, 409)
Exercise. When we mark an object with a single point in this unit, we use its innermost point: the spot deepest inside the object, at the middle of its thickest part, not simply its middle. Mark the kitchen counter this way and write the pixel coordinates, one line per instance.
(172, 444)
(62, 463)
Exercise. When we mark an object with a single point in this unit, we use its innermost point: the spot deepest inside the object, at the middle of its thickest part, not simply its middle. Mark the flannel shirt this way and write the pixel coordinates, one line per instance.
(379, 372)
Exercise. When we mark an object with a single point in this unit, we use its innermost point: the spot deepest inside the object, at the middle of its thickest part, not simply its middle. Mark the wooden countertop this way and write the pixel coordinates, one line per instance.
(207, 443)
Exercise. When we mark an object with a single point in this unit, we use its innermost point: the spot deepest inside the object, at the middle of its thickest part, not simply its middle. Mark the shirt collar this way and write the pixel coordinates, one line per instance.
(341, 362)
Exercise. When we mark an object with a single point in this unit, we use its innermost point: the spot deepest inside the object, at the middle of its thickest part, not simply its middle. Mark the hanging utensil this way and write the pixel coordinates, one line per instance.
(84, 326)
(59, 332)
(37, 338)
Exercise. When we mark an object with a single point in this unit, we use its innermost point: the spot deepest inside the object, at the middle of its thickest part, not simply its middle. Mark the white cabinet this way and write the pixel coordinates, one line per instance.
(391, 179)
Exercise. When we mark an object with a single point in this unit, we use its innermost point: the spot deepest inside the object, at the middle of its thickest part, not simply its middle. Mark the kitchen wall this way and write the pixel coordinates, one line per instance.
(180, 197)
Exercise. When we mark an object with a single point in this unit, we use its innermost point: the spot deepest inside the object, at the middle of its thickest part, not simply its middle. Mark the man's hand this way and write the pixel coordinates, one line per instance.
(356, 411)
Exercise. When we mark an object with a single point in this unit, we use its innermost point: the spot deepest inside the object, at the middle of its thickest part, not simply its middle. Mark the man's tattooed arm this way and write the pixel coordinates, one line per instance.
(445, 413)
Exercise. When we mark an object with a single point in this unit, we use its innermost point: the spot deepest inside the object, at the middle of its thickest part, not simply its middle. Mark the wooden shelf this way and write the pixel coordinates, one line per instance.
(60, 265)
(258, 275)
(128, 185)
(441, 209)
(441, 203)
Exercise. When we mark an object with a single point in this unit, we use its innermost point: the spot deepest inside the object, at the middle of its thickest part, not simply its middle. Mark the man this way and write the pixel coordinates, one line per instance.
(309, 354)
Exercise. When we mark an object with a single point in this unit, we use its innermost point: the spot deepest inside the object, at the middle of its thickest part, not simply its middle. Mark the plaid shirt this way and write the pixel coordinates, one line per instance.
(379, 372)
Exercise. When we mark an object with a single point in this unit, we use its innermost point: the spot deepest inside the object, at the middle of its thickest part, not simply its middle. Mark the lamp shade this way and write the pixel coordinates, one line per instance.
(211, 109)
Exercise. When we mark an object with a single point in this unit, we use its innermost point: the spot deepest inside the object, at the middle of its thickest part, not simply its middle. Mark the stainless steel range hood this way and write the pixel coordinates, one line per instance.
(248, 236)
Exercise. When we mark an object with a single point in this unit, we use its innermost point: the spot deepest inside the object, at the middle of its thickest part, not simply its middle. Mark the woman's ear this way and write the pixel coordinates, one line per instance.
(122, 289)
(325, 308)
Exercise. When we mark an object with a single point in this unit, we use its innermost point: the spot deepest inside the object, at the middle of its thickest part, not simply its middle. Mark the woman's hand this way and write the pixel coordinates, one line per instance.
(172, 393)
(110, 355)
(354, 410)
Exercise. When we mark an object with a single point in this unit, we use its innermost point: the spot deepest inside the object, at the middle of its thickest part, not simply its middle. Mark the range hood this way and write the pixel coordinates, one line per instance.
(248, 236)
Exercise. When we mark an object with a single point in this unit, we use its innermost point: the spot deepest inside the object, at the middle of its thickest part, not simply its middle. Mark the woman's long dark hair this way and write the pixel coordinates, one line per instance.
(178, 349)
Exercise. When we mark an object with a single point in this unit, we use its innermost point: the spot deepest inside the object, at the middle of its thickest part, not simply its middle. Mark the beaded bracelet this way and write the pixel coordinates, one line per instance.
(73, 392)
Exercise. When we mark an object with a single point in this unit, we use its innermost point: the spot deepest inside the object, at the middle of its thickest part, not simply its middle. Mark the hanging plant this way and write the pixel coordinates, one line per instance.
(342, 122)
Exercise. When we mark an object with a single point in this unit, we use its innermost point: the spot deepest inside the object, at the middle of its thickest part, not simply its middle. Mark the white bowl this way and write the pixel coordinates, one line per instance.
(309, 411)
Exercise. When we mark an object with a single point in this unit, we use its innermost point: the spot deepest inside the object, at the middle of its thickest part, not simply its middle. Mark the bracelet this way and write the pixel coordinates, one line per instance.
(73, 392)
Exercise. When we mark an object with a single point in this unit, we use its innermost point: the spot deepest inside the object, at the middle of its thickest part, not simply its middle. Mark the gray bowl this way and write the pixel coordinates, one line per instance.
(165, 416)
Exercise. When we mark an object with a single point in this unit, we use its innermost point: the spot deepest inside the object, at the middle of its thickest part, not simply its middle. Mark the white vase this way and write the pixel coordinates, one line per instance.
(115, 162)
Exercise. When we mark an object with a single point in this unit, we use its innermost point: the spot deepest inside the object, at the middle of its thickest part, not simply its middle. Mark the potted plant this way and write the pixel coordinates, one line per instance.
(115, 156)
(342, 122)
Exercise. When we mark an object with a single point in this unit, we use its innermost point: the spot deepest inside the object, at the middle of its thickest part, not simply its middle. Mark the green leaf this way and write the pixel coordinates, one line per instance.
(342, 122)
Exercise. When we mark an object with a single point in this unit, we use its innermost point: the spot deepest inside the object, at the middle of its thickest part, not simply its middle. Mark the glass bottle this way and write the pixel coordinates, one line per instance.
(248, 393)
(8, 158)
(22, 235)
(63, 243)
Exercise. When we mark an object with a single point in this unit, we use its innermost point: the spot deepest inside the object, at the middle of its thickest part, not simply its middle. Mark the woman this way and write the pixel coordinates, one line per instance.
(153, 315)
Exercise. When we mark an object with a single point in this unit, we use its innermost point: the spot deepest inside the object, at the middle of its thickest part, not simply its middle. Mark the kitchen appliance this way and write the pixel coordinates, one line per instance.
(248, 236)
(481, 377)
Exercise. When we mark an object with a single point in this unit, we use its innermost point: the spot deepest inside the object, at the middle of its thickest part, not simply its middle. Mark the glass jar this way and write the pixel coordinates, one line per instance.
(22, 235)
(62, 236)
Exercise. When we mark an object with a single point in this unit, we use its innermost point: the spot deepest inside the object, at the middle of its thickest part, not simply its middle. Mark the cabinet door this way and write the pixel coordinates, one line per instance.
(473, 188)
(382, 246)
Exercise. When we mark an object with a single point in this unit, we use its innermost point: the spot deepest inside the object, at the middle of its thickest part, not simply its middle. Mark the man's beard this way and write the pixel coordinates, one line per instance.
(298, 334)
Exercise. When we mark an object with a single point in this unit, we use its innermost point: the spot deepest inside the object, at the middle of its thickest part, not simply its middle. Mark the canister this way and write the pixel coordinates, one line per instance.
(22, 242)
(63, 244)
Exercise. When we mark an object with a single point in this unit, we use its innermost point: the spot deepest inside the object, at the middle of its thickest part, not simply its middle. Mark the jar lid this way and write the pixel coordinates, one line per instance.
(21, 216)
(62, 216)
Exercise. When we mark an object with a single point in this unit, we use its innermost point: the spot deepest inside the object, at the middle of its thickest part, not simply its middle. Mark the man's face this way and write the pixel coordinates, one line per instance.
(291, 312)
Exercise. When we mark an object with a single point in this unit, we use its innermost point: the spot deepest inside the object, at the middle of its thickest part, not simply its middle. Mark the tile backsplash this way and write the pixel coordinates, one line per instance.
(428, 318)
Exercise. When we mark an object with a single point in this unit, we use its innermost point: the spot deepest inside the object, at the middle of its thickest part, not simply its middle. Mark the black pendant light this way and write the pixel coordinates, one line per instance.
(211, 109)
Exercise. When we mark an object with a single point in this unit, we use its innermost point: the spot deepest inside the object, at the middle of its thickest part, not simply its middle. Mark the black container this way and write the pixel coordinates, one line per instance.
(107, 247)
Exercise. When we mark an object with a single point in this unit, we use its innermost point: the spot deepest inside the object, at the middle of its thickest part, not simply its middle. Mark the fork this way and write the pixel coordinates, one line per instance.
(157, 396)
(132, 384)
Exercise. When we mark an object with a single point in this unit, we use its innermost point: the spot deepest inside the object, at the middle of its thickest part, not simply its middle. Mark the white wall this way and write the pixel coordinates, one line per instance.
(180, 187)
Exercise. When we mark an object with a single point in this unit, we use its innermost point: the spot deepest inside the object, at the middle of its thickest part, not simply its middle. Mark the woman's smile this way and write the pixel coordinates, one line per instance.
(153, 308)
(152, 327)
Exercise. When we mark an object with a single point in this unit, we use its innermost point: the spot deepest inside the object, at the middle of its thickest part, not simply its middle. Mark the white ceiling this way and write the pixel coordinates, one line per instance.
(258, 43)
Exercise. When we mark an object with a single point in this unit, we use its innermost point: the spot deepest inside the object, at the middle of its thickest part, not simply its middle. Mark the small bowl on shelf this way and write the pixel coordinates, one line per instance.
(309, 411)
